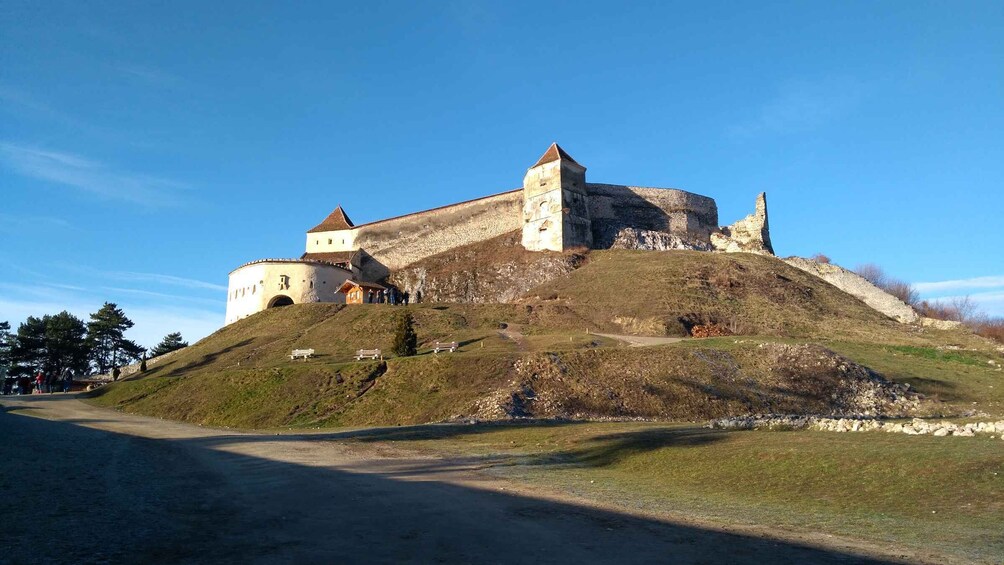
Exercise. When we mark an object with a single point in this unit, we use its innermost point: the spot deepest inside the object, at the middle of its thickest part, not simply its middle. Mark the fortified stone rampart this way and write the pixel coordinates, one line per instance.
(397, 242)
(554, 210)
(615, 208)
(265, 283)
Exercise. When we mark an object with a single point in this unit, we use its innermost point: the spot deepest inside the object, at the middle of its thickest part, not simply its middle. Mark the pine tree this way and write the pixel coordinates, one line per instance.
(105, 336)
(405, 339)
(171, 342)
(28, 350)
(142, 364)
(65, 345)
(6, 347)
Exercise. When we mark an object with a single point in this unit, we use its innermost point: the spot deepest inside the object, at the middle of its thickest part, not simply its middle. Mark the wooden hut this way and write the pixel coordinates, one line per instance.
(360, 292)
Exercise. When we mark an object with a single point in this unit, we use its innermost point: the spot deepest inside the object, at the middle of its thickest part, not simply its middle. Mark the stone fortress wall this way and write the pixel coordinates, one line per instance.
(616, 208)
(556, 209)
(261, 284)
(398, 242)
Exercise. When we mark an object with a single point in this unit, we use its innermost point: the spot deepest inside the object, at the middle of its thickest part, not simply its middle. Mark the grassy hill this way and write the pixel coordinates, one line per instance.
(547, 362)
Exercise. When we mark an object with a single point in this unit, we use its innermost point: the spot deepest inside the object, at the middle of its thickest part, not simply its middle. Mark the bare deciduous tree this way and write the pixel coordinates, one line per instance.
(871, 273)
(902, 290)
(965, 309)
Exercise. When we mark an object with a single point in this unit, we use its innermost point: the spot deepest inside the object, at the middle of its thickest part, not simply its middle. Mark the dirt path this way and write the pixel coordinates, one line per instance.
(641, 341)
(83, 484)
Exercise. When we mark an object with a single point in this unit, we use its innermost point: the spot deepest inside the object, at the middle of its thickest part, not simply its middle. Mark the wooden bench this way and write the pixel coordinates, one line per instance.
(368, 354)
(305, 353)
(445, 346)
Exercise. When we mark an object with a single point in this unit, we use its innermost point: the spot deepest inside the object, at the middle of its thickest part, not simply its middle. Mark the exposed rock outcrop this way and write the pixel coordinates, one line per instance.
(750, 234)
(940, 324)
(858, 287)
(650, 240)
(496, 271)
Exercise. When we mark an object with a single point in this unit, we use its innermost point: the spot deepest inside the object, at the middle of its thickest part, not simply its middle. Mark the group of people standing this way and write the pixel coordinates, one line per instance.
(53, 383)
(388, 296)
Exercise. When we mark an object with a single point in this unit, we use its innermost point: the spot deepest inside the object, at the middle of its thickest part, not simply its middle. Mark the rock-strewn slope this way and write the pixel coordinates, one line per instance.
(495, 271)
(684, 384)
(856, 285)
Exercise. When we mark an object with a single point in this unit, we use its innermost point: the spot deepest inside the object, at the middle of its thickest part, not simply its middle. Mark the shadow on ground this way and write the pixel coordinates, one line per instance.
(123, 498)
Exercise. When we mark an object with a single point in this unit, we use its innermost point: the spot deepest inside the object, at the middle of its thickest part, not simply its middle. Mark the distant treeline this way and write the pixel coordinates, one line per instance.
(62, 341)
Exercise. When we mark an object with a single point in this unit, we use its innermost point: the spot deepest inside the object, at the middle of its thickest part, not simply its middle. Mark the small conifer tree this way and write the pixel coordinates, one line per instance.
(405, 339)
(142, 364)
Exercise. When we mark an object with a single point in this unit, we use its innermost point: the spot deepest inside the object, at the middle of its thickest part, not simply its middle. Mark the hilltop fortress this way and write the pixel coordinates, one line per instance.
(556, 210)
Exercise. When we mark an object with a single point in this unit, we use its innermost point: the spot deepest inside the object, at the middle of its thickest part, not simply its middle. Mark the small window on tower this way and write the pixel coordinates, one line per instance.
(329, 241)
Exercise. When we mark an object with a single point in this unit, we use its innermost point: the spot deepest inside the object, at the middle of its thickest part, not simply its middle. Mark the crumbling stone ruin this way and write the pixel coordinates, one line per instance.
(556, 209)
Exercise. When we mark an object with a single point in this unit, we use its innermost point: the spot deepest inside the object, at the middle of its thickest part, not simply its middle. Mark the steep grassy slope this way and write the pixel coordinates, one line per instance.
(680, 382)
(656, 293)
(653, 293)
(541, 358)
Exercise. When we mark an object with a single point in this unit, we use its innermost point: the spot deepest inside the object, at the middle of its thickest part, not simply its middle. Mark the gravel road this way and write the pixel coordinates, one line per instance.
(82, 484)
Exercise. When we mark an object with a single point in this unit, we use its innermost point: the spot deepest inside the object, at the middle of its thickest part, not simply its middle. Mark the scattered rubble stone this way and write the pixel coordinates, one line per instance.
(916, 426)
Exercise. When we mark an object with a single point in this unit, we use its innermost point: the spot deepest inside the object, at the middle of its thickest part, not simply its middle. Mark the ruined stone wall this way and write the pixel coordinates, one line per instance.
(617, 209)
(858, 287)
(749, 235)
(397, 242)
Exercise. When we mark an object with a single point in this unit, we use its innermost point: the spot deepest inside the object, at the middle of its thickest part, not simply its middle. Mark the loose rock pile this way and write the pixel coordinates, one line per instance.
(860, 392)
(710, 330)
(913, 427)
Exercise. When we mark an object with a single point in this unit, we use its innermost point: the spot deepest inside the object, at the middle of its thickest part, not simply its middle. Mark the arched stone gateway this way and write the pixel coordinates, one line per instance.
(280, 300)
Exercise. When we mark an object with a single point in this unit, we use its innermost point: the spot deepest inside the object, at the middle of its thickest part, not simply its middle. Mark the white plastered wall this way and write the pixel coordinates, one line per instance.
(330, 241)
(253, 286)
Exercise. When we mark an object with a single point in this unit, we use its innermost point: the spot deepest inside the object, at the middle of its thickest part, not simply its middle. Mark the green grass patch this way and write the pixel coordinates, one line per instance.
(958, 382)
(965, 357)
(942, 495)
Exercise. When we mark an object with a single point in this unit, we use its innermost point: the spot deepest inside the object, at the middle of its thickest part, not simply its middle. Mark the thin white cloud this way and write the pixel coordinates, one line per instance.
(11, 223)
(156, 77)
(14, 98)
(164, 279)
(65, 286)
(91, 176)
(993, 281)
(803, 105)
(160, 295)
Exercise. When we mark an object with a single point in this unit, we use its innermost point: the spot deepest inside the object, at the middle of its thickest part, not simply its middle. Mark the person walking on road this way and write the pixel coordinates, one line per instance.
(39, 383)
(67, 378)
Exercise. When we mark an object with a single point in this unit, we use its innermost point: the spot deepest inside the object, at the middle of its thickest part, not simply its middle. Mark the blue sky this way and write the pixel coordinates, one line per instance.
(148, 149)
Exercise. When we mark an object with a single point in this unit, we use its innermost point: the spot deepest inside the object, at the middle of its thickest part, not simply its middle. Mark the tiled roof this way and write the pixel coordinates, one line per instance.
(302, 260)
(350, 282)
(331, 256)
(336, 220)
(553, 153)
